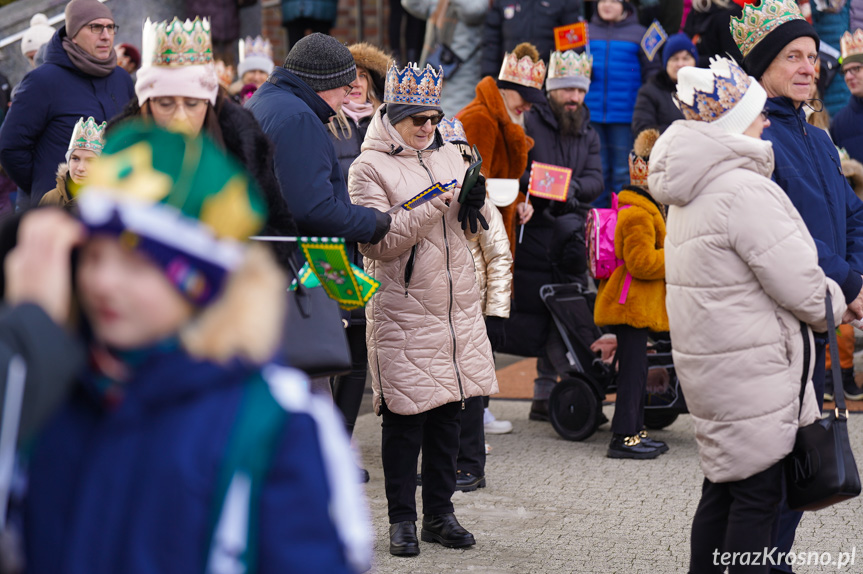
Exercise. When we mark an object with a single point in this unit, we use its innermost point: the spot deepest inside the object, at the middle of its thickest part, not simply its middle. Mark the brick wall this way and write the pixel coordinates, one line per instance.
(345, 29)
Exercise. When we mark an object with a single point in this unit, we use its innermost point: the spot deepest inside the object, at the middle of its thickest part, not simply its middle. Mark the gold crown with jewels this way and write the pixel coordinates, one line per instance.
(413, 85)
(177, 43)
(757, 22)
(524, 72)
(568, 64)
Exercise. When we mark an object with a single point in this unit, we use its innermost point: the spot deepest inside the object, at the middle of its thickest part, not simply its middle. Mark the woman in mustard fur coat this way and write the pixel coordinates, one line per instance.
(632, 302)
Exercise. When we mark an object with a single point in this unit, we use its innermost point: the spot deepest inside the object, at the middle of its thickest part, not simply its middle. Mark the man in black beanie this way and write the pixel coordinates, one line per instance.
(293, 107)
(780, 50)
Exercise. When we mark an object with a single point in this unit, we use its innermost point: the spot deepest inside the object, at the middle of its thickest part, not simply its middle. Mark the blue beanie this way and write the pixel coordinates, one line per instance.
(679, 42)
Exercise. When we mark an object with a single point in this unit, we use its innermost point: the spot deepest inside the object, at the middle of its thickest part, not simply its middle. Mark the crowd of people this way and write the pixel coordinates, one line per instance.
(143, 325)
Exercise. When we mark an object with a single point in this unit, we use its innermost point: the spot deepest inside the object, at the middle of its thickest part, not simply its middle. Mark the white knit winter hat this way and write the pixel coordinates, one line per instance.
(723, 95)
(37, 34)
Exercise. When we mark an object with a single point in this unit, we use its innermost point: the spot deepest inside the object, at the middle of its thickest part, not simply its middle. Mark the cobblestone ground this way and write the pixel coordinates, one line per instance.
(553, 506)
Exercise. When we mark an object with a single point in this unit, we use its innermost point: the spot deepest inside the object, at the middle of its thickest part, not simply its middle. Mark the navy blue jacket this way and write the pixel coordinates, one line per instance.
(130, 485)
(847, 128)
(809, 170)
(50, 99)
(307, 167)
(619, 68)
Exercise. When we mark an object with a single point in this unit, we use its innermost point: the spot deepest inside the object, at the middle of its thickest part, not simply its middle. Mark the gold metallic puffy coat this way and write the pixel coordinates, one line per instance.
(426, 336)
(493, 260)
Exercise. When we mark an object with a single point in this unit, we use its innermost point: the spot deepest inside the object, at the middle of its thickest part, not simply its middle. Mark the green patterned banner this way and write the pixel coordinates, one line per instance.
(328, 265)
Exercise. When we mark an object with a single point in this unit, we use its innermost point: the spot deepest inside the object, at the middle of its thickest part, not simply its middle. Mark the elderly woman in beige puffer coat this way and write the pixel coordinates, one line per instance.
(427, 343)
(744, 293)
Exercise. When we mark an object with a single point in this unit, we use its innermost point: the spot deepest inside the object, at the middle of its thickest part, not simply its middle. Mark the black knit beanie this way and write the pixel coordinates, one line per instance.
(322, 62)
(398, 112)
(760, 57)
(530, 95)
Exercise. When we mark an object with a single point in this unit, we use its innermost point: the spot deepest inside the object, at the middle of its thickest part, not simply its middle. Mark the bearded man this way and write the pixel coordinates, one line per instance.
(564, 137)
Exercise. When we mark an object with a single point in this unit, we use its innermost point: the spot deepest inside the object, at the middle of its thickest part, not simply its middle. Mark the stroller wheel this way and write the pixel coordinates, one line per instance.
(574, 408)
(658, 419)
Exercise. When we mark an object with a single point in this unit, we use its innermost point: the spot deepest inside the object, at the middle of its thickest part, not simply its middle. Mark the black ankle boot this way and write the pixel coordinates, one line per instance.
(467, 482)
(658, 444)
(623, 446)
(403, 539)
(445, 530)
(538, 410)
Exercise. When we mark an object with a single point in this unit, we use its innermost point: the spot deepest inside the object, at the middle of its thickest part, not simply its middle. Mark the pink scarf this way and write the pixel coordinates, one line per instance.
(357, 111)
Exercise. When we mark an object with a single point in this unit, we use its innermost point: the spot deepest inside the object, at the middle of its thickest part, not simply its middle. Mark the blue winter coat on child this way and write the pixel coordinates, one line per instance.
(128, 485)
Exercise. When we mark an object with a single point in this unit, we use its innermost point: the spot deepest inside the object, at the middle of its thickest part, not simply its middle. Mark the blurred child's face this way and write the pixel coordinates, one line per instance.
(128, 300)
(256, 77)
(610, 10)
(79, 164)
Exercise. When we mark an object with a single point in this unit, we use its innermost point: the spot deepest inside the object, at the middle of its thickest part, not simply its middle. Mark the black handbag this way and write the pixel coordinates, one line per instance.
(821, 470)
(314, 339)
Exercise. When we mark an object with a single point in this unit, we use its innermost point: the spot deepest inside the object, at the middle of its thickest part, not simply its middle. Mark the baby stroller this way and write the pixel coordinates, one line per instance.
(575, 404)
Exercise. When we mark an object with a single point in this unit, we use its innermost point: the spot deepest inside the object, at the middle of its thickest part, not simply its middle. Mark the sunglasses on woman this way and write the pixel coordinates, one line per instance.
(420, 121)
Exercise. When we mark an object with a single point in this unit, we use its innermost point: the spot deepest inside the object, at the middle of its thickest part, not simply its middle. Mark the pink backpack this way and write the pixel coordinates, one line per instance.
(599, 239)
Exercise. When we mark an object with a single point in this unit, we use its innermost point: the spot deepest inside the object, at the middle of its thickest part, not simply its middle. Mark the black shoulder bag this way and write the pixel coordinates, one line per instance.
(821, 470)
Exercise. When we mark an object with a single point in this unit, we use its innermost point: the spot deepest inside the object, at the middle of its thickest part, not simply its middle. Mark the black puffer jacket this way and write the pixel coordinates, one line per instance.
(244, 139)
(654, 106)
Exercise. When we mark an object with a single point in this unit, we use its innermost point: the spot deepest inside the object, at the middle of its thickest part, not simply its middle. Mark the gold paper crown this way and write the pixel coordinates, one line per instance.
(756, 23)
(415, 86)
(177, 43)
(88, 135)
(257, 47)
(568, 64)
(523, 72)
(640, 156)
(852, 44)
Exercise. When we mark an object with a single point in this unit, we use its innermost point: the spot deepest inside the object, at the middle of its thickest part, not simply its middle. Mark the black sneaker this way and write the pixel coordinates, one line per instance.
(849, 385)
(467, 482)
(623, 446)
(645, 438)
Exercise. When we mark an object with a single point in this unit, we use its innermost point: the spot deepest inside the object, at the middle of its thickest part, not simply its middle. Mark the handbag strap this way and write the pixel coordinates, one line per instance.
(838, 390)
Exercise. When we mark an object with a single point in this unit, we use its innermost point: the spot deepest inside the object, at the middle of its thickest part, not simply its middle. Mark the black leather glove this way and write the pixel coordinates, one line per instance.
(469, 212)
(496, 332)
(382, 225)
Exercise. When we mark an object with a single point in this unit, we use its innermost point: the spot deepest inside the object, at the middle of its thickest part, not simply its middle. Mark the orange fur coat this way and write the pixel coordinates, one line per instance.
(502, 144)
(638, 240)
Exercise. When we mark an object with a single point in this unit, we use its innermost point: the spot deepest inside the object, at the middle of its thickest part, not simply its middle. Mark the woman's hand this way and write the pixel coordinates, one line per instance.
(525, 212)
(39, 268)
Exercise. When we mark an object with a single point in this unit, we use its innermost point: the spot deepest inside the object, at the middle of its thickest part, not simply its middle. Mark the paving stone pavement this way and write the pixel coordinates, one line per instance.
(553, 506)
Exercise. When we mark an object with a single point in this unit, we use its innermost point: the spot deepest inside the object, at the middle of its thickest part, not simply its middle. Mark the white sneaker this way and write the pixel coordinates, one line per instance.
(494, 426)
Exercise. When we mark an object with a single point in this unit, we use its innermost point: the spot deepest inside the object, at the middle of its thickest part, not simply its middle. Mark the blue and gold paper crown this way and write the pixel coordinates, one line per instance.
(452, 131)
(729, 84)
(414, 86)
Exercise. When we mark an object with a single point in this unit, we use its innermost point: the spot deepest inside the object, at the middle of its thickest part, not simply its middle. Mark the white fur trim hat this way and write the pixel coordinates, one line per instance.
(261, 63)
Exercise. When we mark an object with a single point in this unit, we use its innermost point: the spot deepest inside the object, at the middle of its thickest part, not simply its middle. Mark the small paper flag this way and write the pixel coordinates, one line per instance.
(549, 181)
(570, 36)
(424, 196)
(653, 40)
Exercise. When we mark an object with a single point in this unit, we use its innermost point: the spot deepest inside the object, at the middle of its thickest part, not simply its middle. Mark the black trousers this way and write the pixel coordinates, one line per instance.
(296, 29)
(436, 433)
(631, 380)
(348, 389)
(736, 517)
(471, 448)
(413, 34)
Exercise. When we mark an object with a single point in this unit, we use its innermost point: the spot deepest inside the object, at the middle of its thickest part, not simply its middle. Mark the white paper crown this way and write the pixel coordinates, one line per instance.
(88, 135)
(176, 43)
(706, 95)
(415, 86)
(568, 64)
(523, 72)
(852, 45)
(756, 23)
(257, 47)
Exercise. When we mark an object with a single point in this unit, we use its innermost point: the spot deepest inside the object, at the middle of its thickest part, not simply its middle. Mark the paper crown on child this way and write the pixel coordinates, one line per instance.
(179, 199)
(723, 95)
(255, 54)
(639, 157)
(413, 85)
(852, 46)
(177, 60)
(452, 131)
(87, 135)
(524, 71)
(569, 69)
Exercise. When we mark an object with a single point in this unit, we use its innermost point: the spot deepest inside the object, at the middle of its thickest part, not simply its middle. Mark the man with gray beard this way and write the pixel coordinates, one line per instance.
(552, 248)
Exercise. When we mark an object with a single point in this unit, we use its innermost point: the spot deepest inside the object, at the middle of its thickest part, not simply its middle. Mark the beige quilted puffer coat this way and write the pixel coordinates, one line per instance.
(426, 336)
(743, 289)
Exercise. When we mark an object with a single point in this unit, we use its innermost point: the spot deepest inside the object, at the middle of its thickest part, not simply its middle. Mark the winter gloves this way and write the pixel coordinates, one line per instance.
(382, 225)
(469, 212)
(496, 332)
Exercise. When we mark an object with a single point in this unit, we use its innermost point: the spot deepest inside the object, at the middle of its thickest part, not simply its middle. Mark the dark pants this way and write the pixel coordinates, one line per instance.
(296, 29)
(785, 526)
(348, 389)
(631, 380)
(436, 432)
(413, 34)
(735, 517)
(471, 448)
